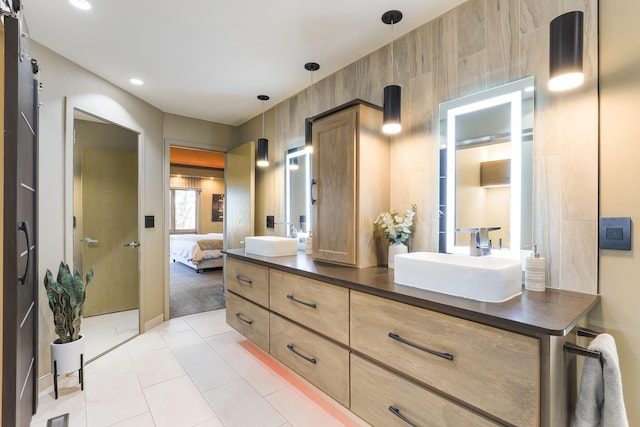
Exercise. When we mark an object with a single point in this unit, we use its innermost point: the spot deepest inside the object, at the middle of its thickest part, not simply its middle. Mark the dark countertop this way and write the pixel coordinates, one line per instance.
(553, 312)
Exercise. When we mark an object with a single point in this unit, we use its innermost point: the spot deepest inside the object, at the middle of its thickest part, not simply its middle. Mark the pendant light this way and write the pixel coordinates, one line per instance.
(565, 51)
(308, 125)
(392, 100)
(263, 143)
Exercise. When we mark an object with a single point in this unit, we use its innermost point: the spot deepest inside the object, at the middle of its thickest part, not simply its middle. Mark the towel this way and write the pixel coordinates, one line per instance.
(600, 402)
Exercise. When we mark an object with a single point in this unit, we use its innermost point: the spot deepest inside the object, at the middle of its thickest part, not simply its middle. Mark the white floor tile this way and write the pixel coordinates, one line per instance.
(228, 345)
(213, 422)
(70, 398)
(146, 342)
(177, 403)
(143, 420)
(263, 379)
(114, 398)
(301, 411)
(156, 366)
(208, 324)
(238, 405)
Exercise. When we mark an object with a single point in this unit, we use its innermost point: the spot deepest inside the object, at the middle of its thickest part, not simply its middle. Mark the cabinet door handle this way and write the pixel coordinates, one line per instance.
(297, 353)
(244, 319)
(396, 412)
(314, 183)
(426, 350)
(241, 279)
(308, 304)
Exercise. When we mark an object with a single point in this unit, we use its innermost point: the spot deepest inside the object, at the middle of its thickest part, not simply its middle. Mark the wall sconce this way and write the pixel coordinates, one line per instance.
(565, 51)
(392, 96)
(308, 124)
(263, 143)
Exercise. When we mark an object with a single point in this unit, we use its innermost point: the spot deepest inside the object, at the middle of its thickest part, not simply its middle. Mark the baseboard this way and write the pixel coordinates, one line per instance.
(152, 323)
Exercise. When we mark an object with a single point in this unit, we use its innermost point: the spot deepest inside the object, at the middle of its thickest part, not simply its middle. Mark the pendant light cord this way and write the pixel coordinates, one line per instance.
(392, 51)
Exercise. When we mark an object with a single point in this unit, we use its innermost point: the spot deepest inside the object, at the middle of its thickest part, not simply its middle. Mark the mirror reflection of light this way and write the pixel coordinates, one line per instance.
(301, 155)
(81, 4)
(515, 99)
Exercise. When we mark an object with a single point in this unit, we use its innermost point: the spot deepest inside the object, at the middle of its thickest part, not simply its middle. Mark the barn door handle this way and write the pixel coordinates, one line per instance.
(24, 227)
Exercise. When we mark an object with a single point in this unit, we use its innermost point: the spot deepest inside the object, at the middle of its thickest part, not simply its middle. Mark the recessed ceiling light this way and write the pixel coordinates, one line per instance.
(135, 81)
(81, 4)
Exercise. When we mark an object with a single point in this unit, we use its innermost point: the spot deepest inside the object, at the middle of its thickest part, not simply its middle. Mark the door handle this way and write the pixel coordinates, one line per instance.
(90, 241)
(24, 227)
(132, 244)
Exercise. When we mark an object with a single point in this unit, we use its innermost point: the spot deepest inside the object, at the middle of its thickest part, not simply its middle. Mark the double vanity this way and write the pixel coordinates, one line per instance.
(401, 355)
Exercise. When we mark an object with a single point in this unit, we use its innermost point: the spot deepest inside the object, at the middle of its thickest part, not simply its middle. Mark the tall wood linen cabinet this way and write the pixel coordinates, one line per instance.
(350, 185)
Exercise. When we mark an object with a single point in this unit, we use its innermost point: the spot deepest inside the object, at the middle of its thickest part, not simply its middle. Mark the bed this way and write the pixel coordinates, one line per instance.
(198, 251)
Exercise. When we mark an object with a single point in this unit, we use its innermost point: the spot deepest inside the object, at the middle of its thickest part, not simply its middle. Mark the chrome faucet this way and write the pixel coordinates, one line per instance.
(480, 244)
(293, 232)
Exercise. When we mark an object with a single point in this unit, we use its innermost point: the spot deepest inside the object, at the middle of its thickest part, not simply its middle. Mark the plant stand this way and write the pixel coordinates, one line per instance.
(80, 373)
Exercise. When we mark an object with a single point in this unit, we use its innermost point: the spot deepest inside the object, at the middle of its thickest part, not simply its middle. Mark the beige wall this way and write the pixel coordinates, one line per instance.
(209, 187)
(1, 195)
(618, 312)
(183, 131)
(61, 78)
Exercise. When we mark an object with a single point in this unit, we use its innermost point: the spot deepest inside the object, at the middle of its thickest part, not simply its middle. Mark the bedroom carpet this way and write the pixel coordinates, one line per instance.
(192, 292)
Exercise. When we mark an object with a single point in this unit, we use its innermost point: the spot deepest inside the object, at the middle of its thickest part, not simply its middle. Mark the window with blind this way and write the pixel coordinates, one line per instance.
(184, 204)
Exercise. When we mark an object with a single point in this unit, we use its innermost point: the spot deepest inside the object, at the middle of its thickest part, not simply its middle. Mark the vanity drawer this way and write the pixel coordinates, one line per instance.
(494, 370)
(248, 280)
(375, 392)
(319, 306)
(320, 361)
(250, 320)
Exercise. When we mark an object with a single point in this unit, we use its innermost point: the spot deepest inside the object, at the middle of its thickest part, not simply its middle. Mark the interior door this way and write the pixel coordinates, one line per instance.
(106, 212)
(20, 296)
(239, 195)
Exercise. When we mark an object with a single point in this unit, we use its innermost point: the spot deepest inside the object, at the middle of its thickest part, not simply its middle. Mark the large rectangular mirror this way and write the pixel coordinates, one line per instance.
(297, 191)
(487, 169)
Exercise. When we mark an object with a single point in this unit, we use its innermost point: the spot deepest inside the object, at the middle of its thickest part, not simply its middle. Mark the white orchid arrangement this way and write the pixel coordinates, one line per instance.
(396, 227)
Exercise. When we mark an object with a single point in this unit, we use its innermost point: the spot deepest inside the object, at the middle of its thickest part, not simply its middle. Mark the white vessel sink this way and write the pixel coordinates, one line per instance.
(479, 278)
(270, 245)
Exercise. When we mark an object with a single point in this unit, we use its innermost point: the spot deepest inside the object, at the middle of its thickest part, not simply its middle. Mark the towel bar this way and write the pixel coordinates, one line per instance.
(572, 348)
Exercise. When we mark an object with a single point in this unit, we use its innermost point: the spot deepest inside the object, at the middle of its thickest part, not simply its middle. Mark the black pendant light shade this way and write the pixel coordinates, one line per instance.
(391, 110)
(308, 124)
(565, 51)
(392, 100)
(263, 152)
(262, 159)
(308, 135)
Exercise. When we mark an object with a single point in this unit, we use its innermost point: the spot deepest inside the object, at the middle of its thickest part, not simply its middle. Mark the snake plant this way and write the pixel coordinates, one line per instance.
(66, 297)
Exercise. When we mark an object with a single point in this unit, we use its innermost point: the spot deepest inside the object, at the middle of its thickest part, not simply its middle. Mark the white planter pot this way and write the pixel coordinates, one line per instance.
(396, 249)
(67, 355)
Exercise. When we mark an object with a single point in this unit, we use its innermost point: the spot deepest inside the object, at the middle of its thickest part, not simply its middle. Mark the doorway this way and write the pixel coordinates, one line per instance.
(196, 239)
(105, 229)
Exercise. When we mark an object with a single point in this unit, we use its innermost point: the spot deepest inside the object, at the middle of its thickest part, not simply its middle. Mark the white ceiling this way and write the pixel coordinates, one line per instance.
(210, 59)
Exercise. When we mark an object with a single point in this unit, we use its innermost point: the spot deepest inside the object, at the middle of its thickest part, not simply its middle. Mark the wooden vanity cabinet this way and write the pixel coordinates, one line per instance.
(247, 300)
(490, 369)
(351, 184)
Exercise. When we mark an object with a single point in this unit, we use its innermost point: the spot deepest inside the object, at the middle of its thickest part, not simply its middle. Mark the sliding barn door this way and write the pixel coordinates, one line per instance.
(20, 296)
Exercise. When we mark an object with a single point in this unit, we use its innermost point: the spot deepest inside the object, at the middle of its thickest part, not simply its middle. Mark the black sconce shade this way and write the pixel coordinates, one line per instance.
(565, 51)
(263, 152)
(391, 110)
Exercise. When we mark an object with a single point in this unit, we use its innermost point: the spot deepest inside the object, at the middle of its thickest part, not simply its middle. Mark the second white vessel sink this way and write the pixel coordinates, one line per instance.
(479, 278)
(270, 245)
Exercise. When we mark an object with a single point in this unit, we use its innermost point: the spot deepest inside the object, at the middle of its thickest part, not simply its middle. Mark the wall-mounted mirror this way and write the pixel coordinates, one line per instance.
(486, 164)
(297, 190)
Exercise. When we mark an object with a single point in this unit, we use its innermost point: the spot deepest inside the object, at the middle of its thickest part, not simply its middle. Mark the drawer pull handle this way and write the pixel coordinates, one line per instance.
(308, 304)
(244, 319)
(396, 412)
(297, 353)
(241, 279)
(426, 350)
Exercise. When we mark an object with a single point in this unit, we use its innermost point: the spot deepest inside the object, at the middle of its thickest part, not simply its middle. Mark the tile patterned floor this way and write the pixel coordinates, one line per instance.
(190, 371)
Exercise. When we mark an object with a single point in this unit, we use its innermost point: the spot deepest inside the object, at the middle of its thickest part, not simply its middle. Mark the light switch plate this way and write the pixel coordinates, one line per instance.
(615, 233)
